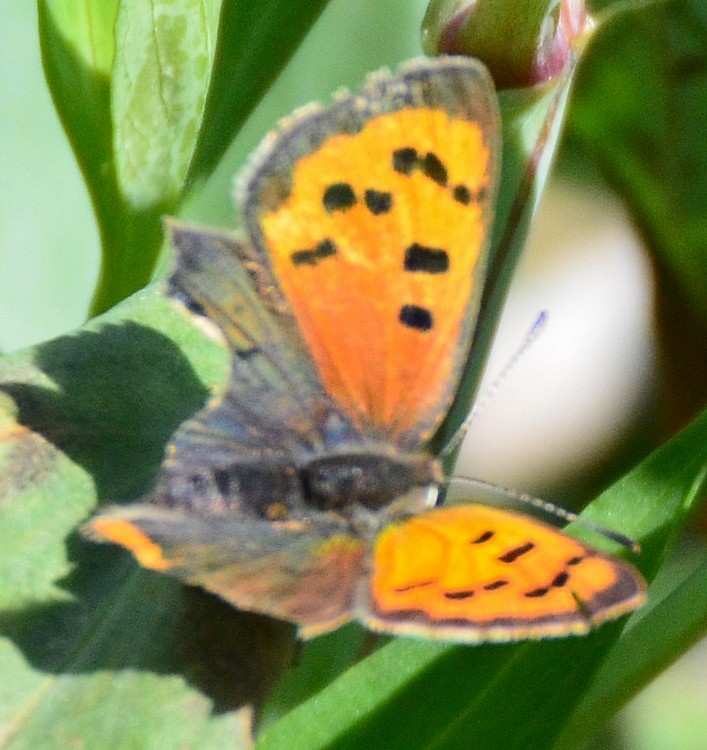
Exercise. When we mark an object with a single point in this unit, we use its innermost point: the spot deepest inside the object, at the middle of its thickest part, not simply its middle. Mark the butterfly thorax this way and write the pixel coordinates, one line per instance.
(363, 477)
(369, 479)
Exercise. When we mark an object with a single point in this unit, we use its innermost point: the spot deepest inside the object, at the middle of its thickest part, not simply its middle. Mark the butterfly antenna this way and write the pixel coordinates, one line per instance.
(490, 391)
(552, 509)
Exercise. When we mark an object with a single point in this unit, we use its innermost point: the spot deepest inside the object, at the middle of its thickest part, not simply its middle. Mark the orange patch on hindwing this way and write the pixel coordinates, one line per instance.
(129, 536)
(377, 250)
(502, 574)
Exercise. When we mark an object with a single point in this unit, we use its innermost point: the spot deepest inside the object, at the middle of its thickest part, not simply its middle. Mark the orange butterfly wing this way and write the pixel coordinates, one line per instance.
(374, 216)
(474, 573)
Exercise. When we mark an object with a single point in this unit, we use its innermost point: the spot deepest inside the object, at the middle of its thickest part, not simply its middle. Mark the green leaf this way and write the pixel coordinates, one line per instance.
(78, 52)
(256, 39)
(164, 57)
(87, 416)
(134, 105)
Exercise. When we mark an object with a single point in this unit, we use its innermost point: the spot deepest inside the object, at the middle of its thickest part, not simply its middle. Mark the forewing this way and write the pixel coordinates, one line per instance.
(274, 390)
(240, 450)
(374, 217)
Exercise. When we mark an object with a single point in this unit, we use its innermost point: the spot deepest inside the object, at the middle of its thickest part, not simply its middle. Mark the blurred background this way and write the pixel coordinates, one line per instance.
(582, 405)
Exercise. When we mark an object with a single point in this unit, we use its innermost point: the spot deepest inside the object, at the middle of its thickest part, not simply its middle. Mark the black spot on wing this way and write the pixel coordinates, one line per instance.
(458, 595)
(421, 259)
(378, 202)
(413, 586)
(558, 582)
(461, 194)
(494, 585)
(537, 593)
(405, 160)
(433, 168)
(339, 196)
(560, 579)
(325, 249)
(513, 554)
(416, 317)
(483, 537)
(408, 160)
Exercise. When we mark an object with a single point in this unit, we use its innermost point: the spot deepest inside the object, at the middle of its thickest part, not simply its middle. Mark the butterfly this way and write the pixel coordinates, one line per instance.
(306, 490)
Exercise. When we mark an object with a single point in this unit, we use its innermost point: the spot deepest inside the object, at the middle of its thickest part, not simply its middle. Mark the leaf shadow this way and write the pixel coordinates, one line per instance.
(118, 394)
